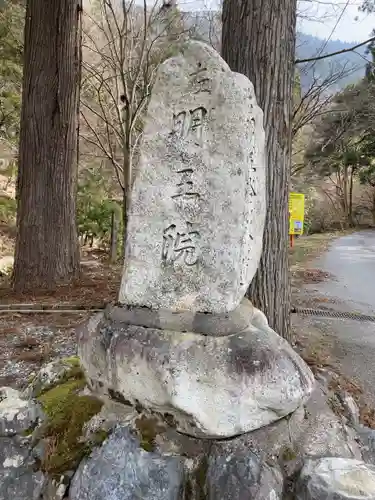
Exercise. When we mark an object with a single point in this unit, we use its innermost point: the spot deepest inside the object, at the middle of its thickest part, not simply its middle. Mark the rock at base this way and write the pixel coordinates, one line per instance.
(122, 470)
(213, 386)
(367, 437)
(241, 476)
(336, 478)
(18, 479)
(323, 433)
(16, 414)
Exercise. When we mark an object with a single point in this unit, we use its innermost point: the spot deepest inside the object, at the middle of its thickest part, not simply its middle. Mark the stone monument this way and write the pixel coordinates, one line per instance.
(183, 341)
(183, 361)
(198, 203)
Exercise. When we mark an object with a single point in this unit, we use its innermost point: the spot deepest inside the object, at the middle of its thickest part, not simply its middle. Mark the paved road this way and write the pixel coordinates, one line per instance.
(351, 261)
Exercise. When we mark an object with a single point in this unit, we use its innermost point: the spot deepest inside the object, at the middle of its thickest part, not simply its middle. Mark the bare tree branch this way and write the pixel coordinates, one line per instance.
(343, 51)
(125, 42)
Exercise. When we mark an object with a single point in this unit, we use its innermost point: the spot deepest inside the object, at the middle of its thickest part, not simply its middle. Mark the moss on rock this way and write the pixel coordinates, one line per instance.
(148, 428)
(99, 437)
(201, 477)
(72, 361)
(55, 373)
(67, 412)
(288, 454)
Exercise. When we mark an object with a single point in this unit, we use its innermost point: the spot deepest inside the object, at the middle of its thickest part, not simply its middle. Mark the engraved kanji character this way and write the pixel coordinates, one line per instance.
(180, 245)
(189, 122)
(185, 186)
(200, 82)
(196, 124)
(179, 124)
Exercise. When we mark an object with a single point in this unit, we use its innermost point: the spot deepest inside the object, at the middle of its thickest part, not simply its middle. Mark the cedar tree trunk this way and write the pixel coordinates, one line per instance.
(47, 251)
(259, 41)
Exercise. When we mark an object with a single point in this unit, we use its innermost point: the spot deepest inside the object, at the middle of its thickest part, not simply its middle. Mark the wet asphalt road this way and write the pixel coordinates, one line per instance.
(351, 261)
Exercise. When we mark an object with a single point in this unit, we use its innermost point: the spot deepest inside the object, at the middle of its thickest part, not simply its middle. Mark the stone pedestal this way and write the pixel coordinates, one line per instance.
(218, 376)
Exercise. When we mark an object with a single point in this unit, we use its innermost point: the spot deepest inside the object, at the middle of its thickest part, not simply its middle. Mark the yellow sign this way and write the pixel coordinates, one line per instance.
(296, 213)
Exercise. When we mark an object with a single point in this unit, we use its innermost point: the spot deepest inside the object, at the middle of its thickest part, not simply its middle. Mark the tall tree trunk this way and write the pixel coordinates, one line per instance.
(78, 48)
(114, 234)
(47, 250)
(259, 41)
(345, 194)
(351, 185)
(127, 169)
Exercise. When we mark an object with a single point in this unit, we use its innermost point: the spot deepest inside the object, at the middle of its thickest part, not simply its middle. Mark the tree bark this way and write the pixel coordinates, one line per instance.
(259, 41)
(351, 185)
(114, 234)
(346, 195)
(47, 251)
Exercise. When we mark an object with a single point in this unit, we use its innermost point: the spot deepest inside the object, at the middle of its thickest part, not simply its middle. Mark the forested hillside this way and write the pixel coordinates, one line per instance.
(309, 46)
(207, 25)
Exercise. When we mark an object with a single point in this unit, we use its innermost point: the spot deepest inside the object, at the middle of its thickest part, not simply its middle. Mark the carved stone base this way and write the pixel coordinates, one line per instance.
(212, 386)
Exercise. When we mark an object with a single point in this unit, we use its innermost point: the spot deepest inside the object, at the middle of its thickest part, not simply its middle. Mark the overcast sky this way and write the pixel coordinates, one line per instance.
(340, 18)
(320, 18)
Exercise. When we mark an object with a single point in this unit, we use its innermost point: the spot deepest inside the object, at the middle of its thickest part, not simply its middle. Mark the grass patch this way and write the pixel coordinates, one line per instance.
(67, 412)
(309, 247)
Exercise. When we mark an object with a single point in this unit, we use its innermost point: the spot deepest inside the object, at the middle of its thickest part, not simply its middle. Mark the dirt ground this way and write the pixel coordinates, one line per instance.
(27, 341)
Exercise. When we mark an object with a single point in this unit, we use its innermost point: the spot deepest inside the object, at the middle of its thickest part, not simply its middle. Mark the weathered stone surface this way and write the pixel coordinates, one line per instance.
(56, 488)
(349, 406)
(336, 479)
(197, 206)
(287, 443)
(18, 480)
(214, 386)
(110, 416)
(17, 415)
(325, 434)
(367, 440)
(122, 470)
(235, 472)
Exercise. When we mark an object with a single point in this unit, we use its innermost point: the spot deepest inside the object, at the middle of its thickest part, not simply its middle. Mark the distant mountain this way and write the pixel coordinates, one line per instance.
(350, 64)
(207, 26)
